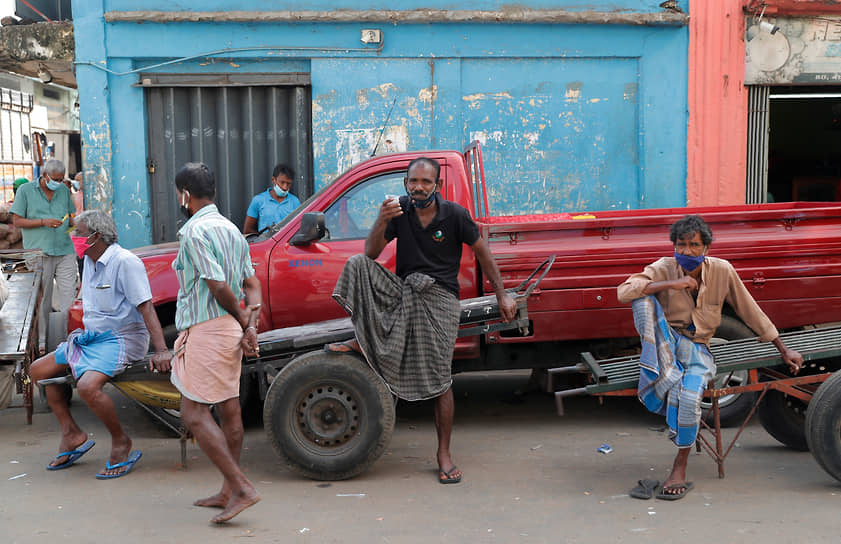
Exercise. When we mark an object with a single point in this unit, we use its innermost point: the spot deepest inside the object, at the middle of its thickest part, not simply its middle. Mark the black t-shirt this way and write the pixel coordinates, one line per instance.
(436, 249)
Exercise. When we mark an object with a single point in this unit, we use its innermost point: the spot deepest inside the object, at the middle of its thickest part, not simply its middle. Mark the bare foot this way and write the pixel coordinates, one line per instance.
(344, 347)
(237, 504)
(68, 443)
(219, 500)
(119, 454)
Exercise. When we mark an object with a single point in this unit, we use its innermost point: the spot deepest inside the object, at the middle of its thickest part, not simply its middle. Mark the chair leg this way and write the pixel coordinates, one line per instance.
(719, 450)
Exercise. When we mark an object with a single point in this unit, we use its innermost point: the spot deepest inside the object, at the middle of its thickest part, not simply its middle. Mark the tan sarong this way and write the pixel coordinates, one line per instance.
(208, 360)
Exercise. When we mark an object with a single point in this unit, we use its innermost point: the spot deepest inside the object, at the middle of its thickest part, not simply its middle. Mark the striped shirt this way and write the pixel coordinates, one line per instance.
(210, 248)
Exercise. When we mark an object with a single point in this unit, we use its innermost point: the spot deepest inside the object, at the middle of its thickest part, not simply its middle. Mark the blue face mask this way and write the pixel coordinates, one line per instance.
(688, 262)
(53, 185)
(280, 192)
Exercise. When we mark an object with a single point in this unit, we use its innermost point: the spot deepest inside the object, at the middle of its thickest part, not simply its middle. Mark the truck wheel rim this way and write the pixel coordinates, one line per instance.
(327, 417)
(739, 377)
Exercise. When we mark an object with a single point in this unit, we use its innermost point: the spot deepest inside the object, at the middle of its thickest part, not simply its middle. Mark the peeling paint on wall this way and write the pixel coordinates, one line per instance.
(544, 155)
(355, 145)
(573, 91)
(99, 191)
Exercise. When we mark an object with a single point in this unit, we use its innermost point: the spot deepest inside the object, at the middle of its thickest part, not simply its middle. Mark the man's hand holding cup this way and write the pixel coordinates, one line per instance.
(391, 207)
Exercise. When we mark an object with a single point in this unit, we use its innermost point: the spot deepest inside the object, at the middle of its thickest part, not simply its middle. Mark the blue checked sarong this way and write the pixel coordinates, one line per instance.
(674, 371)
(107, 352)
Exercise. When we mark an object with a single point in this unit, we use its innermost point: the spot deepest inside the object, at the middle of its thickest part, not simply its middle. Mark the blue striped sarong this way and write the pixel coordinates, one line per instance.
(107, 352)
(674, 371)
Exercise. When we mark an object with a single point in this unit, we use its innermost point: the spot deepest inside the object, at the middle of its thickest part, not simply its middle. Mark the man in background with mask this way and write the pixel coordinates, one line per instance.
(119, 318)
(677, 304)
(215, 274)
(44, 213)
(406, 323)
(272, 206)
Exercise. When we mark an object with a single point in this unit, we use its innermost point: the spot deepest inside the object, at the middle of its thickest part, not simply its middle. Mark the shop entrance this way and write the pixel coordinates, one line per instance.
(804, 143)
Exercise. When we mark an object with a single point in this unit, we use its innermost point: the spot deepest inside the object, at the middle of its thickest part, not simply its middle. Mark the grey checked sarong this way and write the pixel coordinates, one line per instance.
(407, 329)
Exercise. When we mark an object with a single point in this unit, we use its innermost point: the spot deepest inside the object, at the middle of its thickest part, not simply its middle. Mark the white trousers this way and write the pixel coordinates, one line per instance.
(62, 269)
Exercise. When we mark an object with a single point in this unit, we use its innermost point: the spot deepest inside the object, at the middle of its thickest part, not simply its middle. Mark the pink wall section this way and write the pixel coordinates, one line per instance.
(717, 129)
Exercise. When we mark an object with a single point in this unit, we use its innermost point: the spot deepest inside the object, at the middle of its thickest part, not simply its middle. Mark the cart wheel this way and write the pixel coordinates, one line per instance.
(784, 417)
(733, 409)
(328, 415)
(823, 425)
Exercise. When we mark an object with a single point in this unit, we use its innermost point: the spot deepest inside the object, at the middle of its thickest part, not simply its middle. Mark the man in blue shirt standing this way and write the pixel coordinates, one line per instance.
(274, 204)
(119, 319)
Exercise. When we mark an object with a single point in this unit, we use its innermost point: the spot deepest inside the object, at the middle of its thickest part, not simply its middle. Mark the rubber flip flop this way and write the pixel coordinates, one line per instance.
(645, 489)
(683, 490)
(72, 456)
(128, 463)
(448, 479)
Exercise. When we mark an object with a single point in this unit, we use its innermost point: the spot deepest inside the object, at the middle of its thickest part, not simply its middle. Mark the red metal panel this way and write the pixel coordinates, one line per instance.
(716, 133)
(796, 7)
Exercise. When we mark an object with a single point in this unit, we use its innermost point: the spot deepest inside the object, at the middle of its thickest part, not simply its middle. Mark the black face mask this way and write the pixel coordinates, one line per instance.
(184, 209)
(427, 202)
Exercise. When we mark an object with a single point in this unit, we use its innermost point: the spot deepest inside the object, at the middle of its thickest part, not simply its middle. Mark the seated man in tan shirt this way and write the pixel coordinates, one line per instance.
(677, 304)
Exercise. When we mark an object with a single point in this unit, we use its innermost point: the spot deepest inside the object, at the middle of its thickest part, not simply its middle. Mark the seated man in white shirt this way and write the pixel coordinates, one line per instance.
(118, 318)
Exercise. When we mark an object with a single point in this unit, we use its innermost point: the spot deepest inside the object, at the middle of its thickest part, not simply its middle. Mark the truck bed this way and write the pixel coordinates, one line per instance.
(788, 255)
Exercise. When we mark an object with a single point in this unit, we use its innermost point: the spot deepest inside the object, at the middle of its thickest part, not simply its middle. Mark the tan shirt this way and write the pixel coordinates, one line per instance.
(719, 284)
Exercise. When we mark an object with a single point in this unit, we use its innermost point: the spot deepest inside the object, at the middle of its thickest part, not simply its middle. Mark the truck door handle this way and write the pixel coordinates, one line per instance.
(758, 279)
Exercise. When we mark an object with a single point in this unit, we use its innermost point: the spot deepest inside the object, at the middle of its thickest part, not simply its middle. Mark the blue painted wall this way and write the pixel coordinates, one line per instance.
(572, 117)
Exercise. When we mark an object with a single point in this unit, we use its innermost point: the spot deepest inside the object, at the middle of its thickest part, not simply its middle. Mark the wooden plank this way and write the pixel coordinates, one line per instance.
(17, 314)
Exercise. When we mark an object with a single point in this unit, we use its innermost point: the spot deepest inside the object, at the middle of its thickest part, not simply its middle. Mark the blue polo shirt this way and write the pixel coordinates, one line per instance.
(268, 211)
(112, 288)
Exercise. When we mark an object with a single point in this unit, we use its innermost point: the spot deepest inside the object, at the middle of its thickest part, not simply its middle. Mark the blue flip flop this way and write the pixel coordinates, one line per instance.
(128, 463)
(72, 456)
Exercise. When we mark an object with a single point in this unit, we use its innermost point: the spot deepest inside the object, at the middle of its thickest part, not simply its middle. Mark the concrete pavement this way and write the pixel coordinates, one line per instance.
(530, 476)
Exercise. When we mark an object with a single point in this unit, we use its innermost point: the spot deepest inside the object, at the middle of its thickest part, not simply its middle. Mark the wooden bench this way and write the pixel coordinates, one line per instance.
(619, 376)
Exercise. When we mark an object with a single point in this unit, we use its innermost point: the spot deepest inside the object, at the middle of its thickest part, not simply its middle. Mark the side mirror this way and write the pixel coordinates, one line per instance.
(311, 229)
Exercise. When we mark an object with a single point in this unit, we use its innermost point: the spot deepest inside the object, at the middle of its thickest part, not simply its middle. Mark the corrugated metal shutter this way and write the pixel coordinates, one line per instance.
(757, 161)
(239, 132)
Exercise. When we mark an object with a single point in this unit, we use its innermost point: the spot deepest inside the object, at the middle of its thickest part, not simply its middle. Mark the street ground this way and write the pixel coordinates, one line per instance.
(530, 476)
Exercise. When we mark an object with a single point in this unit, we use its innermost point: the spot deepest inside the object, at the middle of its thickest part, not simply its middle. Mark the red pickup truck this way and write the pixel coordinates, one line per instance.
(788, 255)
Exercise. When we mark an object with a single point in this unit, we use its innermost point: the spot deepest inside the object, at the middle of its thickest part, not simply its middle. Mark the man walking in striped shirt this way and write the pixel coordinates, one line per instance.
(214, 274)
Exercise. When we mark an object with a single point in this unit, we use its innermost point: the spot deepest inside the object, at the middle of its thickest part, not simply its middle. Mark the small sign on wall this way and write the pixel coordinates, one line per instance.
(804, 50)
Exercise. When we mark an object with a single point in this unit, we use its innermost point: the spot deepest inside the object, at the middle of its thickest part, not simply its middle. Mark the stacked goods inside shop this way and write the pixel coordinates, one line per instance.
(10, 236)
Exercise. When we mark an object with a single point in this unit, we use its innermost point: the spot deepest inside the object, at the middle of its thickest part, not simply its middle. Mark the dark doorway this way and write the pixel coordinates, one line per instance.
(240, 131)
(804, 149)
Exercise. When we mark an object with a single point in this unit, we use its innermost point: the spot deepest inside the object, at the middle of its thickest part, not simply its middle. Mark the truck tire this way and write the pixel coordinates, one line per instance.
(328, 415)
(733, 409)
(784, 417)
(823, 426)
